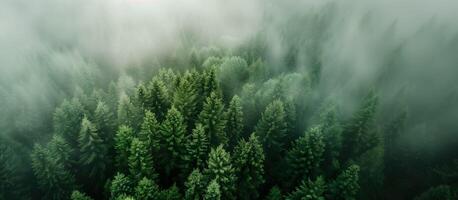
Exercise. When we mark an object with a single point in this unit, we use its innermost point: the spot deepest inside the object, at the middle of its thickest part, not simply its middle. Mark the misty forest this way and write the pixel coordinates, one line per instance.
(216, 100)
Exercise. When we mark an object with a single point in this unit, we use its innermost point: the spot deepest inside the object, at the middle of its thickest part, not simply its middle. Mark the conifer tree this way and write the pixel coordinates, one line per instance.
(304, 159)
(123, 140)
(10, 174)
(213, 191)
(219, 167)
(173, 141)
(185, 99)
(210, 84)
(67, 121)
(141, 161)
(53, 179)
(128, 113)
(212, 119)
(77, 195)
(195, 186)
(171, 193)
(158, 100)
(274, 194)
(309, 190)
(93, 150)
(197, 149)
(234, 121)
(249, 167)
(147, 189)
(61, 150)
(120, 185)
(360, 133)
(105, 122)
(149, 132)
(346, 186)
(332, 138)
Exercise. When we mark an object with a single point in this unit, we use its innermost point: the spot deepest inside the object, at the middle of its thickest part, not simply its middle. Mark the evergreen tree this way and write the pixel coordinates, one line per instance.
(171, 193)
(120, 185)
(249, 163)
(105, 122)
(346, 186)
(140, 161)
(77, 195)
(123, 140)
(360, 133)
(185, 99)
(213, 191)
(220, 169)
(197, 149)
(61, 150)
(53, 179)
(67, 121)
(195, 186)
(274, 194)
(128, 113)
(149, 132)
(210, 84)
(212, 119)
(234, 121)
(309, 190)
(10, 175)
(304, 159)
(93, 150)
(332, 138)
(173, 141)
(147, 190)
(441, 192)
(158, 100)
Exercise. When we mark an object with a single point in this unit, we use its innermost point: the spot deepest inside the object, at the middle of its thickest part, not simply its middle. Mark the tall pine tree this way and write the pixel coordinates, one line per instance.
(220, 169)
(212, 119)
(234, 121)
(141, 161)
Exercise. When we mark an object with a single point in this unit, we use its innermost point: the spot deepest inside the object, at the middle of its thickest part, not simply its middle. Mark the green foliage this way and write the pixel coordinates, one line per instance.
(346, 186)
(105, 122)
(274, 194)
(360, 133)
(171, 193)
(213, 191)
(234, 121)
(441, 192)
(304, 159)
(309, 190)
(173, 141)
(186, 100)
(249, 167)
(77, 195)
(210, 84)
(120, 185)
(147, 189)
(123, 140)
(233, 73)
(212, 120)
(197, 149)
(271, 129)
(149, 132)
(10, 176)
(195, 186)
(157, 99)
(128, 113)
(67, 120)
(332, 137)
(54, 180)
(93, 150)
(220, 169)
(141, 161)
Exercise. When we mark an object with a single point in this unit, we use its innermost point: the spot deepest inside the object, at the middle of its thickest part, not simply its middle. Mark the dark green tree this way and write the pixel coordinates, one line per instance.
(234, 121)
(309, 190)
(93, 151)
(123, 140)
(360, 133)
(274, 194)
(219, 168)
(158, 100)
(305, 158)
(147, 189)
(332, 137)
(67, 121)
(141, 161)
(61, 150)
(212, 119)
(77, 195)
(210, 84)
(213, 191)
(105, 122)
(185, 99)
(197, 149)
(249, 167)
(441, 192)
(195, 186)
(120, 185)
(11, 180)
(346, 186)
(149, 132)
(128, 113)
(171, 193)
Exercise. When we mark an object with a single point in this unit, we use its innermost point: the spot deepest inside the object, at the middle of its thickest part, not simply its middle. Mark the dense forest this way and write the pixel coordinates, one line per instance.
(296, 110)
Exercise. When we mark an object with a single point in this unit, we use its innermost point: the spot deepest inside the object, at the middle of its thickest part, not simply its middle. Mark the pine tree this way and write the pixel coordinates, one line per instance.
(213, 191)
(219, 167)
(123, 140)
(105, 122)
(77, 195)
(120, 185)
(141, 161)
(234, 121)
(10, 174)
(346, 186)
(158, 100)
(149, 132)
(274, 194)
(309, 190)
(360, 133)
(147, 190)
(61, 150)
(93, 150)
(67, 121)
(195, 186)
(332, 138)
(210, 84)
(128, 113)
(249, 167)
(53, 179)
(212, 119)
(171, 193)
(304, 159)
(173, 141)
(185, 99)
(197, 149)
